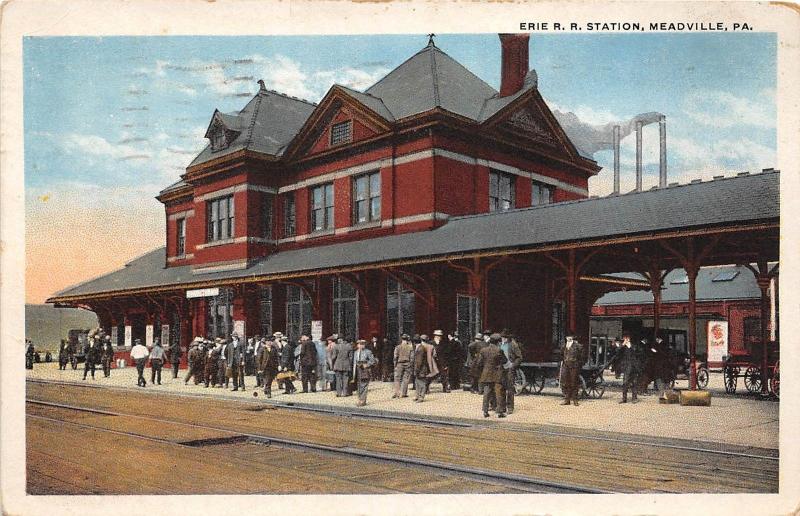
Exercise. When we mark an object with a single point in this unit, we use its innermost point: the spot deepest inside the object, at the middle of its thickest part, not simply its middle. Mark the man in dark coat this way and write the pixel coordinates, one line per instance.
(442, 347)
(92, 354)
(107, 356)
(308, 363)
(342, 360)
(211, 367)
(490, 363)
(630, 364)
(572, 356)
(425, 367)
(193, 358)
(457, 357)
(63, 355)
(175, 357)
(474, 350)
(287, 364)
(513, 353)
(234, 357)
(267, 366)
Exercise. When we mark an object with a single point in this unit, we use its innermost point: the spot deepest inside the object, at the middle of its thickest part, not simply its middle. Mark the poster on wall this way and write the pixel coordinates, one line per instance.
(148, 336)
(238, 328)
(316, 330)
(165, 335)
(717, 340)
(128, 336)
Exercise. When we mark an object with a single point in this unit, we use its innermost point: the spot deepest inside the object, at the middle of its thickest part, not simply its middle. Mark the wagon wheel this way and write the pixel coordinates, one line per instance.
(702, 377)
(774, 382)
(584, 393)
(521, 384)
(752, 379)
(730, 379)
(596, 387)
(537, 381)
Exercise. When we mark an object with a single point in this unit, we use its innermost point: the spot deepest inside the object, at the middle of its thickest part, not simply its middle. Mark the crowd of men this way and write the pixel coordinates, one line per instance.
(347, 367)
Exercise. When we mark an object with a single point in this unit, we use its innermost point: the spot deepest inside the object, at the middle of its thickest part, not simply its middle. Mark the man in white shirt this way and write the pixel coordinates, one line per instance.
(139, 354)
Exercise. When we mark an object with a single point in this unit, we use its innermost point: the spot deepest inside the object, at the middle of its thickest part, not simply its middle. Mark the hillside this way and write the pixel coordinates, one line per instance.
(46, 325)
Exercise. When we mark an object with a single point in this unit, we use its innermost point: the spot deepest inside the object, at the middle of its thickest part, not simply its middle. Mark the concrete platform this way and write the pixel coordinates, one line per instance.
(734, 420)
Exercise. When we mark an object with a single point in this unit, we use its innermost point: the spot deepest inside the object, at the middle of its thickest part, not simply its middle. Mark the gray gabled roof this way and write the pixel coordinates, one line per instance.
(374, 103)
(721, 202)
(267, 123)
(430, 79)
(742, 286)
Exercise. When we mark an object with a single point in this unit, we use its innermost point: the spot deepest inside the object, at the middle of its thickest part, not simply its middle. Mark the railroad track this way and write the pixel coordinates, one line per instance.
(698, 447)
(512, 482)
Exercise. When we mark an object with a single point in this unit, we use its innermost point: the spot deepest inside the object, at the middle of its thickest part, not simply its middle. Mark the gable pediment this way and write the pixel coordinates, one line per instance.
(527, 122)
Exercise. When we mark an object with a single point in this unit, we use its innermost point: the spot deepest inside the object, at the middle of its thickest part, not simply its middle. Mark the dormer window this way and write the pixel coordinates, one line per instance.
(218, 139)
(341, 133)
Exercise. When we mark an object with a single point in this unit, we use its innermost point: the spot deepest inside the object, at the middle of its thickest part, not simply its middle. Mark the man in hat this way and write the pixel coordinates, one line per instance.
(474, 349)
(286, 363)
(157, 356)
(234, 356)
(211, 366)
(63, 355)
(175, 357)
(193, 361)
(442, 348)
(572, 356)
(139, 355)
(92, 354)
(513, 353)
(363, 360)
(403, 354)
(425, 368)
(457, 357)
(342, 360)
(490, 363)
(107, 356)
(267, 365)
(308, 363)
(631, 362)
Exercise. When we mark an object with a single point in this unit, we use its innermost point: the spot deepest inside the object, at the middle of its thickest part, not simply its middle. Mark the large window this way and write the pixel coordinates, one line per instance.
(219, 322)
(345, 309)
(541, 194)
(265, 310)
(558, 325)
(367, 198)
(298, 313)
(468, 317)
(322, 207)
(501, 191)
(341, 132)
(399, 310)
(289, 215)
(220, 218)
(266, 216)
(180, 237)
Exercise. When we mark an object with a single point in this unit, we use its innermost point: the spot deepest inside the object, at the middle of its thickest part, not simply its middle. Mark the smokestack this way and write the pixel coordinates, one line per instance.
(638, 156)
(514, 66)
(662, 161)
(616, 159)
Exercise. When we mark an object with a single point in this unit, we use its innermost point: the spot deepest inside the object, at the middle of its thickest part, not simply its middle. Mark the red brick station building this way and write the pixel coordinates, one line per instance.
(430, 200)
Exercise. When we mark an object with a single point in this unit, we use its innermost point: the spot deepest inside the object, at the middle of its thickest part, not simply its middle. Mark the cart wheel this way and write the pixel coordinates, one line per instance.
(584, 391)
(521, 384)
(752, 379)
(702, 377)
(730, 380)
(537, 381)
(774, 382)
(597, 388)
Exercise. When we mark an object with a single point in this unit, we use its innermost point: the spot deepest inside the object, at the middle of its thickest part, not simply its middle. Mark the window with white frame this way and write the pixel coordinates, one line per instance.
(541, 193)
(341, 132)
(367, 198)
(345, 308)
(501, 191)
(220, 218)
(322, 207)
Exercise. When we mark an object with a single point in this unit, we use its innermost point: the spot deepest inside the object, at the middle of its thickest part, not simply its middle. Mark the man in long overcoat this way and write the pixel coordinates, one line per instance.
(267, 365)
(342, 360)
(308, 363)
(490, 363)
(425, 367)
(513, 353)
(630, 364)
(572, 356)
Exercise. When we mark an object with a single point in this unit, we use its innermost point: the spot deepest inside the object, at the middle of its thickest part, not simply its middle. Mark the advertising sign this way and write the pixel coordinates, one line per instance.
(717, 340)
(316, 330)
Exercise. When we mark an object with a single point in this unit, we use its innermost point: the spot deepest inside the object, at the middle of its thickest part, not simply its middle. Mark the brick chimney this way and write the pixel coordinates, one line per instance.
(514, 65)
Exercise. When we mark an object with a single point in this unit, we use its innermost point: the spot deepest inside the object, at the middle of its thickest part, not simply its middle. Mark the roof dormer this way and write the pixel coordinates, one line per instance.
(223, 129)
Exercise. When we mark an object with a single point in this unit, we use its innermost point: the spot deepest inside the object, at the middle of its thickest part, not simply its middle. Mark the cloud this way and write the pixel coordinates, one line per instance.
(588, 114)
(132, 139)
(142, 108)
(723, 109)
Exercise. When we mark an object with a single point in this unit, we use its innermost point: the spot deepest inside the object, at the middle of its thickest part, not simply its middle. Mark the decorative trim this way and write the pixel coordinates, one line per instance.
(181, 215)
(216, 243)
(233, 189)
(180, 257)
(220, 267)
(321, 233)
(425, 154)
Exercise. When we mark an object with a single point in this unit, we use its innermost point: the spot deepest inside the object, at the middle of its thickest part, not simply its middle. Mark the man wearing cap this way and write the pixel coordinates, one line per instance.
(342, 359)
(139, 355)
(513, 353)
(572, 356)
(442, 348)
(363, 360)
(308, 363)
(175, 357)
(425, 368)
(403, 354)
(156, 362)
(490, 363)
(267, 365)
(193, 362)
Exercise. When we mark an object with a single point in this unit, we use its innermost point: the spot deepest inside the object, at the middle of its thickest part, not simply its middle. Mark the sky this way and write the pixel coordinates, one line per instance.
(111, 121)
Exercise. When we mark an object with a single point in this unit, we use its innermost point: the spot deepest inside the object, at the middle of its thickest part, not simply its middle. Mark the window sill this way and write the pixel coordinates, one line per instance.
(366, 225)
(216, 243)
(321, 233)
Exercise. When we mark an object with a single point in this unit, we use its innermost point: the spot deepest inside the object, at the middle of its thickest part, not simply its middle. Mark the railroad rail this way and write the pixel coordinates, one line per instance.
(516, 482)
